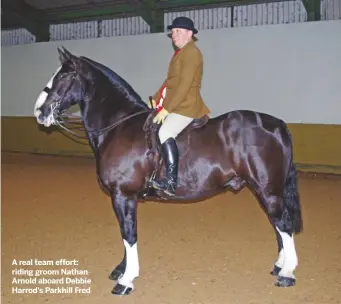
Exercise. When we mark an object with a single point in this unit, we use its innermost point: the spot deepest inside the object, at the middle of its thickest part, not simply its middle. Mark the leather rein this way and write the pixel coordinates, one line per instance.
(60, 121)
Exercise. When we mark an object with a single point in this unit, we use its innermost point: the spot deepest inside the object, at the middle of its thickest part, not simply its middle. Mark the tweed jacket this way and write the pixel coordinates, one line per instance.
(183, 83)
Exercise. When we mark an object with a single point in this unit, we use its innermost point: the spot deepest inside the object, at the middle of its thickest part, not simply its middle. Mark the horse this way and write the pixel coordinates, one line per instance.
(237, 149)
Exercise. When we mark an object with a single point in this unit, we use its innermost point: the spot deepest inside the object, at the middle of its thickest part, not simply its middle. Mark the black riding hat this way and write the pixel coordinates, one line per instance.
(183, 22)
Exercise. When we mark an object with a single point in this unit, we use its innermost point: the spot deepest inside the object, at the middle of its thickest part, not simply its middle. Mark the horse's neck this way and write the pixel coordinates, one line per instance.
(102, 110)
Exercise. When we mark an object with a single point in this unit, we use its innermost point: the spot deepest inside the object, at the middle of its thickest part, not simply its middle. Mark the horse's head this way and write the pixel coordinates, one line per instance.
(62, 91)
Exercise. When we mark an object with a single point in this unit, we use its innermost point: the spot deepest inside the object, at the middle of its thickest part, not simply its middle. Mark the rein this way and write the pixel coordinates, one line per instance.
(100, 132)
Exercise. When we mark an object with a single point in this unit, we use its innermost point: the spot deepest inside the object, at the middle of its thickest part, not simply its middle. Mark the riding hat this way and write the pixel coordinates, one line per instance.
(183, 22)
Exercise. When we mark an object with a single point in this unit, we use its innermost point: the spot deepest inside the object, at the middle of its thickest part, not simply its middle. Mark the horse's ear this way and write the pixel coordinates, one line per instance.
(62, 57)
(67, 53)
(73, 60)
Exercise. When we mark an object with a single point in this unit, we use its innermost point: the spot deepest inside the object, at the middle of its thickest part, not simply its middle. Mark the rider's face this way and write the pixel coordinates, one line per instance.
(181, 36)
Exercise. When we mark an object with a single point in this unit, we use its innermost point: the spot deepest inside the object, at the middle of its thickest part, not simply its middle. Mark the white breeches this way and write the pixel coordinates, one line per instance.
(173, 125)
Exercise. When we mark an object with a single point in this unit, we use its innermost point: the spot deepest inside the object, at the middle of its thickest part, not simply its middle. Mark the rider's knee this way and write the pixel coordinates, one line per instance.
(164, 134)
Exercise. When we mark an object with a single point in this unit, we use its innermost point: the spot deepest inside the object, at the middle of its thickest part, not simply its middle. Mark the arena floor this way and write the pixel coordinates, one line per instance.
(216, 252)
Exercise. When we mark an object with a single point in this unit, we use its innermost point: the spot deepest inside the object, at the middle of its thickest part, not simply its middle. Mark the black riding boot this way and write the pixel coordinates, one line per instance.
(170, 155)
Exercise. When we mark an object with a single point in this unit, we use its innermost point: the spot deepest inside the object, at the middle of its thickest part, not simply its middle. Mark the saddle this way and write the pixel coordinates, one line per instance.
(151, 131)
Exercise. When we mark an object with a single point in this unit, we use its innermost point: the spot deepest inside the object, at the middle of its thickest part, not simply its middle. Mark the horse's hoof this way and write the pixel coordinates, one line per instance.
(121, 290)
(115, 274)
(275, 271)
(285, 282)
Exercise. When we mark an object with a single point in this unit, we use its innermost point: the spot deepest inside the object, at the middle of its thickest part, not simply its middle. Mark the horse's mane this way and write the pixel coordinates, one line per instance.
(116, 80)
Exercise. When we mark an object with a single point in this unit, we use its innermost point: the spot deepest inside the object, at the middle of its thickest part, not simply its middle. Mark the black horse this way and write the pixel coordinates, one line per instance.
(228, 152)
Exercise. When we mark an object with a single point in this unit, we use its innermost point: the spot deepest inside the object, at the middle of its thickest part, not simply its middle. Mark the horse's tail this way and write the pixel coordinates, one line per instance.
(292, 199)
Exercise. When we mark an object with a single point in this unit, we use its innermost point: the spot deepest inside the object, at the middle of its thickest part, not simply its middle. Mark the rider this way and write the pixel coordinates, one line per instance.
(183, 101)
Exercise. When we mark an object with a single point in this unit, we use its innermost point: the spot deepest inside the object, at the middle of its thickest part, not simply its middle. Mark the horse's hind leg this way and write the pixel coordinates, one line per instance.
(279, 217)
(289, 224)
(280, 261)
(128, 269)
(286, 275)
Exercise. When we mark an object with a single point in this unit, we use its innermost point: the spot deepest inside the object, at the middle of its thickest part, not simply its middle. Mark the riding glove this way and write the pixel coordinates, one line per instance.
(161, 116)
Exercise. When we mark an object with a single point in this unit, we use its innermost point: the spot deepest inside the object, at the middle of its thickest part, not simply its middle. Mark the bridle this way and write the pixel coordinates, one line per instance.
(61, 118)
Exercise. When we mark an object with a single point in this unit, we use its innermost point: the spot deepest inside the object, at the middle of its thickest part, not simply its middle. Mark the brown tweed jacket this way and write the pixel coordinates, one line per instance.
(183, 83)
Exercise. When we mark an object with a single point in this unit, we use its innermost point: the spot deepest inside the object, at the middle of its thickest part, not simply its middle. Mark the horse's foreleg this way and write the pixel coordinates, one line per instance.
(119, 269)
(125, 273)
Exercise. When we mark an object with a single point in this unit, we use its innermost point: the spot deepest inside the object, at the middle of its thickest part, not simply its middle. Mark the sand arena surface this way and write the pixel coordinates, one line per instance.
(215, 252)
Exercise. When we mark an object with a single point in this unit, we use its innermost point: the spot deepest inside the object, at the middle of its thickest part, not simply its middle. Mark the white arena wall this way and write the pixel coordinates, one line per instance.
(292, 71)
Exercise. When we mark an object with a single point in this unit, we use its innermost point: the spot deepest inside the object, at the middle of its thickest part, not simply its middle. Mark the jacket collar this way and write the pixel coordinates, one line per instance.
(188, 44)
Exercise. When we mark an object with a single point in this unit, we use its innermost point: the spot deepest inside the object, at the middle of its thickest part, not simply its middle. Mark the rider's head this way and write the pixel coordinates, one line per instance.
(182, 30)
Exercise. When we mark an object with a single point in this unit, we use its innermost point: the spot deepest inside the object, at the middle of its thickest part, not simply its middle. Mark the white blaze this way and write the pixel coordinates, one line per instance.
(42, 96)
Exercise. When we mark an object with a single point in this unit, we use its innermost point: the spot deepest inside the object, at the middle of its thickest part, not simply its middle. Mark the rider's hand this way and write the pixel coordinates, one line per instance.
(151, 104)
(160, 117)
